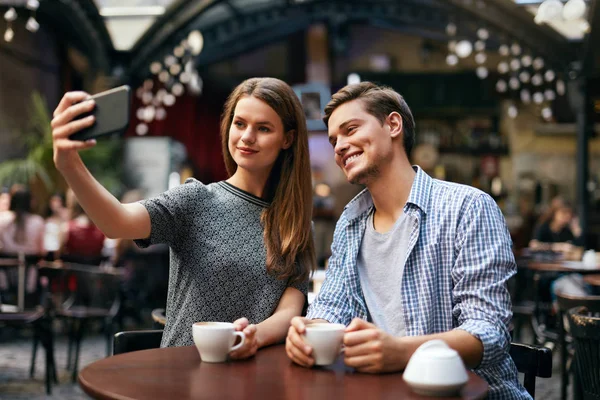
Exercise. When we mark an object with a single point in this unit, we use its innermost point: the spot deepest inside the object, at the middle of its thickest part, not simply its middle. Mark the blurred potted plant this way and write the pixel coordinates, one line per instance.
(36, 169)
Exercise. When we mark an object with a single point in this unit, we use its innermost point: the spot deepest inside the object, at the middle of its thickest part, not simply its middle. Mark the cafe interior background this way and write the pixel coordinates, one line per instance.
(505, 93)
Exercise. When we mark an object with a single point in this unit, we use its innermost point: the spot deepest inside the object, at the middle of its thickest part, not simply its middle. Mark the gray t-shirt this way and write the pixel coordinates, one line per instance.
(218, 257)
(380, 264)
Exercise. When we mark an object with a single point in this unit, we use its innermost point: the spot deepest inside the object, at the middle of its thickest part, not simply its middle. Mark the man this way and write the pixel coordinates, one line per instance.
(413, 258)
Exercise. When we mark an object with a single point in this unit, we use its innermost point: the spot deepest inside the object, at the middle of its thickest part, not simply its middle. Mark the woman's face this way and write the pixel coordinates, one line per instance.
(56, 203)
(4, 201)
(563, 216)
(256, 135)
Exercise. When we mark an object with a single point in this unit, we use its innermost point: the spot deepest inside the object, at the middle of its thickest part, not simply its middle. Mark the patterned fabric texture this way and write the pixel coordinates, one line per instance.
(218, 257)
(459, 259)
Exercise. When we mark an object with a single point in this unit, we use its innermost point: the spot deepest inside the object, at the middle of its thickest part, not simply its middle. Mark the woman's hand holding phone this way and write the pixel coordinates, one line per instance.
(64, 125)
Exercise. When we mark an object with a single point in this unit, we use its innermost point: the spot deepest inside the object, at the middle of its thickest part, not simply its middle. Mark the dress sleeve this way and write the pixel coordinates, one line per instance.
(168, 213)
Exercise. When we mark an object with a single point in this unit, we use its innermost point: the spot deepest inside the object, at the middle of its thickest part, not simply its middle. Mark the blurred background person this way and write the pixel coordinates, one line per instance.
(57, 215)
(4, 200)
(559, 232)
(82, 241)
(21, 231)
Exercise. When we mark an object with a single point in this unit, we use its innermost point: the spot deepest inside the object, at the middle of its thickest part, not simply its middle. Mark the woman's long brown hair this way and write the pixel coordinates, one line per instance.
(287, 221)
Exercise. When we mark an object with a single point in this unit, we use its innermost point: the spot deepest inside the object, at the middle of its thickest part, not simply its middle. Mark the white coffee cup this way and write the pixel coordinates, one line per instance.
(435, 370)
(214, 340)
(325, 340)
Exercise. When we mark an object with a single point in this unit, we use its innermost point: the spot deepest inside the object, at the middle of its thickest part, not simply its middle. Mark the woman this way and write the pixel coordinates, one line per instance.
(240, 249)
(21, 231)
(560, 232)
(82, 241)
(57, 216)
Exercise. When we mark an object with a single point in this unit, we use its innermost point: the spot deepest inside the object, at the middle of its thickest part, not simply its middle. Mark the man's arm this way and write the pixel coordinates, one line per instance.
(484, 264)
(371, 350)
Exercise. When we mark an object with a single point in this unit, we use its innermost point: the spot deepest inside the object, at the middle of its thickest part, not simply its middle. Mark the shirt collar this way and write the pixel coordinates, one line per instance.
(419, 196)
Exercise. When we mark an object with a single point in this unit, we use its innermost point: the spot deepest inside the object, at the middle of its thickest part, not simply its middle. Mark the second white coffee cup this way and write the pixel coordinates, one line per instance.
(214, 340)
(325, 340)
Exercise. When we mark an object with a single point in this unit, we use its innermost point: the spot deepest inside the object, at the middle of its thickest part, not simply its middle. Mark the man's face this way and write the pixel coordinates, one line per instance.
(362, 145)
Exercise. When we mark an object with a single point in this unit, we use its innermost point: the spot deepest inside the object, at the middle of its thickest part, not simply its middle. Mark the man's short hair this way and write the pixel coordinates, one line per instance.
(380, 102)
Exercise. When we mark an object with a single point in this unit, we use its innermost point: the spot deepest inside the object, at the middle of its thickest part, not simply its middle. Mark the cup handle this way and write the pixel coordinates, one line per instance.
(241, 343)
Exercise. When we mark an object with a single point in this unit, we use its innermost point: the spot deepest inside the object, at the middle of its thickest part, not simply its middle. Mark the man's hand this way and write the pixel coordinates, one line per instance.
(369, 349)
(297, 350)
(250, 342)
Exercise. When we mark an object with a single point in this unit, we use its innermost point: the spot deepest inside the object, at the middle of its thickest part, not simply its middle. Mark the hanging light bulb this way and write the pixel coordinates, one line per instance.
(161, 114)
(561, 89)
(141, 129)
(504, 50)
(480, 58)
(549, 95)
(526, 61)
(32, 25)
(515, 64)
(185, 77)
(515, 49)
(483, 34)
(549, 75)
(170, 60)
(574, 9)
(169, 100)
(163, 76)
(452, 60)
(179, 51)
(147, 97)
(524, 76)
(482, 72)
(9, 34)
(547, 113)
(451, 29)
(177, 89)
(537, 80)
(548, 11)
(148, 84)
(525, 96)
(196, 42)
(514, 83)
(155, 67)
(10, 15)
(149, 113)
(503, 67)
(140, 113)
(512, 111)
(32, 5)
(538, 63)
(175, 69)
(352, 79)
(538, 97)
(479, 45)
(464, 48)
(501, 86)
(452, 46)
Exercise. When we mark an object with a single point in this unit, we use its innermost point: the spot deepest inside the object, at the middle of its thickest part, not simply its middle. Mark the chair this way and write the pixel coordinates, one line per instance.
(93, 296)
(159, 318)
(585, 329)
(565, 303)
(533, 361)
(125, 342)
(39, 317)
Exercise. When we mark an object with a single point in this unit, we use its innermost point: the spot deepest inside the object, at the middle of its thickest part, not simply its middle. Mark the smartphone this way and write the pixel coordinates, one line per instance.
(111, 112)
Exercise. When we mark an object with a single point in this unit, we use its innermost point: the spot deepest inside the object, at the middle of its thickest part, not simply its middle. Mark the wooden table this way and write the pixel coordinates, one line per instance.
(178, 373)
(593, 280)
(561, 266)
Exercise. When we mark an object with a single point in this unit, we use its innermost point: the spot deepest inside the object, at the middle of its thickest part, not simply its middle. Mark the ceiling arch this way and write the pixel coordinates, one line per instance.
(231, 27)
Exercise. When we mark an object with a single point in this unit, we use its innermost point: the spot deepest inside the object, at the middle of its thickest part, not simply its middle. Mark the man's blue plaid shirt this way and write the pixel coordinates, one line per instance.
(459, 259)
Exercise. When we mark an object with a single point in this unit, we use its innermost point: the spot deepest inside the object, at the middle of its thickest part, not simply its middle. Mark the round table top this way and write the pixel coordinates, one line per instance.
(593, 280)
(561, 266)
(178, 373)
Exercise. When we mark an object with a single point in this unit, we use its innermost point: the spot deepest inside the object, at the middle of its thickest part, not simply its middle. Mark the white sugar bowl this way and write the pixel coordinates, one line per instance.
(435, 370)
